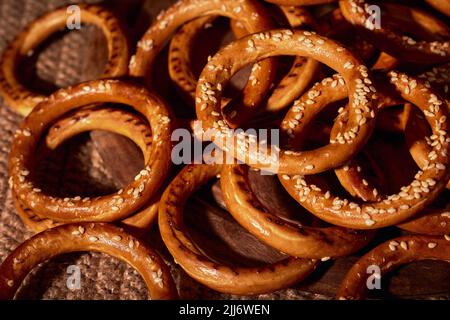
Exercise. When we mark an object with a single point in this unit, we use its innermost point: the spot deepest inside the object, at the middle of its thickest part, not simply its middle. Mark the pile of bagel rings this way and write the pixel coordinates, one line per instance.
(349, 83)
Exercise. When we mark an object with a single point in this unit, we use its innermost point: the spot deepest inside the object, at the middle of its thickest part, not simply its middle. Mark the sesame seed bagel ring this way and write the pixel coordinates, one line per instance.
(99, 237)
(440, 5)
(389, 256)
(439, 78)
(87, 119)
(396, 208)
(126, 201)
(305, 242)
(303, 70)
(400, 46)
(250, 12)
(286, 42)
(21, 99)
(234, 280)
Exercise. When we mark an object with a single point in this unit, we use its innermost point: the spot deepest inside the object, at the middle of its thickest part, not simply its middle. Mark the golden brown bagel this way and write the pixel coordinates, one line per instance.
(113, 207)
(305, 242)
(21, 99)
(235, 280)
(286, 42)
(100, 237)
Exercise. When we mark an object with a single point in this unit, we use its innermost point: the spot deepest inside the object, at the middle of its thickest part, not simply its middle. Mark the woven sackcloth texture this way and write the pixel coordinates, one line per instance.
(76, 168)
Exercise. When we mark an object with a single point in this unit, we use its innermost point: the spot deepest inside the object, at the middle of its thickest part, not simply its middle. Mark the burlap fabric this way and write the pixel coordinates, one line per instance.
(76, 168)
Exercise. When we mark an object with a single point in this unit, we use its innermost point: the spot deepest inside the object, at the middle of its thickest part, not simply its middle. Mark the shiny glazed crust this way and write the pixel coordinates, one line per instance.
(112, 207)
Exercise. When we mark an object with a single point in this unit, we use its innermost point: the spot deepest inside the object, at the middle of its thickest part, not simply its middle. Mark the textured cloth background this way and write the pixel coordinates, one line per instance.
(76, 168)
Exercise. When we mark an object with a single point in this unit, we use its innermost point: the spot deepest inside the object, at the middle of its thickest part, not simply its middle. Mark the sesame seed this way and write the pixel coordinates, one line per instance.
(117, 238)
(432, 245)
(93, 239)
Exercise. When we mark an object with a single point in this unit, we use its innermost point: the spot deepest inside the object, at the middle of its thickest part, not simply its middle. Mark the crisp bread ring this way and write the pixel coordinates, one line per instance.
(250, 12)
(87, 119)
(234, 280)
(433, 220)
(100, 237)
(305, 242)
(441, 5)
(116, 206)
(389, 256)
(334, 26)
(400, 46)
(303, 70)
(416, 136)
(396, 208)
(21, 99)
(286, 42)
(180, 56)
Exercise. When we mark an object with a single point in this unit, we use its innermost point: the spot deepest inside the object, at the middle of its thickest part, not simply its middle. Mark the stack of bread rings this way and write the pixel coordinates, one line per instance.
(355, 81)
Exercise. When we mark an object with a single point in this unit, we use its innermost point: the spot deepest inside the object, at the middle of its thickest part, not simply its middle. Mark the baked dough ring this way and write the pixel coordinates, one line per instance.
(389, 256)
(116, 206)
(400, 46)
(234, 280)
(250, 12)
(21, 99)
(109, 119)
(100, 237)
(286, 42)
(396, 208)
(305, 242)
(431, 221)
(439, 78)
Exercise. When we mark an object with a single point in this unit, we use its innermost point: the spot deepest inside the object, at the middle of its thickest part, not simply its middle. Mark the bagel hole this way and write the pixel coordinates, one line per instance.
(64, 59)
(86, 167)
(405, 22)
(220, 237)
(102, 277)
